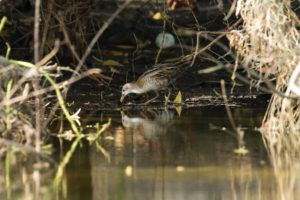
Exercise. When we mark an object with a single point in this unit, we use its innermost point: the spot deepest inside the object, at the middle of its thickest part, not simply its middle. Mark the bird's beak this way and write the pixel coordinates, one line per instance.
(122, 113)
(122, 98)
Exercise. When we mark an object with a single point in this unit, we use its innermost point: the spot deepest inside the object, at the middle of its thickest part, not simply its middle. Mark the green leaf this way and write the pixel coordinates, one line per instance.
(111, 63)
(109, 138)
(179, 109)
(237, 84)
(125, 46)
(178, 98)
(241, 150)
(217, 93)
(159, 16)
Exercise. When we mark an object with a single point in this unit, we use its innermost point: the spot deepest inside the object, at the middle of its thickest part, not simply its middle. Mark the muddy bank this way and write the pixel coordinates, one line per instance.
(197, 90)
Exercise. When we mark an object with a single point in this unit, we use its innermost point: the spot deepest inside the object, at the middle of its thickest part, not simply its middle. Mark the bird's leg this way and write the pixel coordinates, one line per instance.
(149, 101)
(169, 93)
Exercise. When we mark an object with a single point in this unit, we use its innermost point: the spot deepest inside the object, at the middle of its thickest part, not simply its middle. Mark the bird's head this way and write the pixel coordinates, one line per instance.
(126, 89)
(129, 88)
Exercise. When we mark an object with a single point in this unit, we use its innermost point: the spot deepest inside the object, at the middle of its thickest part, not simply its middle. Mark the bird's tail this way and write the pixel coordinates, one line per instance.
(173, 68)
(181, 63)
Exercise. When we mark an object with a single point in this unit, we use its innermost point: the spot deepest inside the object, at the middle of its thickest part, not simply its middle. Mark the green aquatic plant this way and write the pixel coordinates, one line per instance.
(7, 172)
(67, 157)
(2, 23)
(65, 161)
(57, 91)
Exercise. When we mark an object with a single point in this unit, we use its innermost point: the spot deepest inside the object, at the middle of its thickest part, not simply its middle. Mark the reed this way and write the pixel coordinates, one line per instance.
(268, 47)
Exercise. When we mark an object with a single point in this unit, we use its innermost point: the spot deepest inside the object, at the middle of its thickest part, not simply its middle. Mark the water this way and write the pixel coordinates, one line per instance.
(160, 155)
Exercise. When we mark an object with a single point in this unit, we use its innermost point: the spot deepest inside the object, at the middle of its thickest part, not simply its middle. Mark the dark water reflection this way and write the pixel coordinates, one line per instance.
(159, 155)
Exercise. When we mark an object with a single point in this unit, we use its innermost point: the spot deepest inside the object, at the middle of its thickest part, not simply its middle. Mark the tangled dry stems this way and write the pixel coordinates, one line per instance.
(268, 42)
(76, 20)
(17, 118)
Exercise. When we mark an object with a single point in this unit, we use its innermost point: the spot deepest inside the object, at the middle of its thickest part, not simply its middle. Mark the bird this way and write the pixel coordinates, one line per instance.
(157, 78)
(151, 124)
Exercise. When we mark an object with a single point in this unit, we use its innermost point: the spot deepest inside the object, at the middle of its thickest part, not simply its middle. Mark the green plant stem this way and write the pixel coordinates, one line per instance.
(65, 161)
(7, 173)
(2, 23)
(104, 152)
(62, 103)
(8, 50)
(104, 127)
(58, 93)
(59, 96)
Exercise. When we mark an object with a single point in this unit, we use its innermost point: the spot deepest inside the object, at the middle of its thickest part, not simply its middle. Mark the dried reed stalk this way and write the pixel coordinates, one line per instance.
(268, 43)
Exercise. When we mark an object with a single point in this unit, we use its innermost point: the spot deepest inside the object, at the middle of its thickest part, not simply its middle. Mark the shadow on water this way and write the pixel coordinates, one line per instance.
(160, 155)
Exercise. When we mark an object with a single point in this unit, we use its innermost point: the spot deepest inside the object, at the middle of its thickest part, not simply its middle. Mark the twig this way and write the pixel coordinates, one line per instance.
(48, 89)
(228, 67)
(99, 33)
(197, 47)
(231, 10)
(211, 69)
(51, 54)
(92, 43)
(237, 130)
(57, 91)
(36, 80)
(28, 149)
(271, 88)
(229, 114)
(67, 38)
(163, 36)
(25, 77)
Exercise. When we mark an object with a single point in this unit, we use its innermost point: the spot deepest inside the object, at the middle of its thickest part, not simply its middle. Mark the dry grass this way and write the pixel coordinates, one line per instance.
(268, 44)
(268, 48)
(72, 17)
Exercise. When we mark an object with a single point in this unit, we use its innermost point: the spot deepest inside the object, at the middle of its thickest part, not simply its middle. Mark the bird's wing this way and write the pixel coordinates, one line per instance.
(168, 70)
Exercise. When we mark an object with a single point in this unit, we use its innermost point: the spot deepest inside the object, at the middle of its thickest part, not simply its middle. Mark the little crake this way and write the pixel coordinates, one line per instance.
(157, 78)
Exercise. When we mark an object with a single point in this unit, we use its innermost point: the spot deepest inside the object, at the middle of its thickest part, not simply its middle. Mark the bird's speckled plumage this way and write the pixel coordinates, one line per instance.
(158, 77)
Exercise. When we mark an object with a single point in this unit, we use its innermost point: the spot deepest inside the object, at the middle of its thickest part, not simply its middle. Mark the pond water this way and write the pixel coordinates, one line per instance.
(159, 155)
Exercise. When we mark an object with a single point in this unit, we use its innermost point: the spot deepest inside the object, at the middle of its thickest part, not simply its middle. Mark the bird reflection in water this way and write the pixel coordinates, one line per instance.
(151, 124)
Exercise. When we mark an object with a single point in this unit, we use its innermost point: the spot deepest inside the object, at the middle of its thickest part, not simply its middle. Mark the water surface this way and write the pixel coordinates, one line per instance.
(161, 155)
